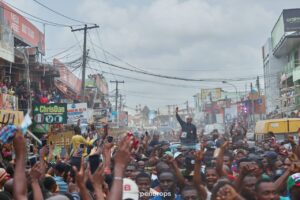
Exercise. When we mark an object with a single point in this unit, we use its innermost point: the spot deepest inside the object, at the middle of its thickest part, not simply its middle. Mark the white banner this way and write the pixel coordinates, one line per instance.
(78, 111)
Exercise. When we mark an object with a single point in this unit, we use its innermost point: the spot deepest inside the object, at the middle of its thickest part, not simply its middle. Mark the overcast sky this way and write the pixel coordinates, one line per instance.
(186, 38)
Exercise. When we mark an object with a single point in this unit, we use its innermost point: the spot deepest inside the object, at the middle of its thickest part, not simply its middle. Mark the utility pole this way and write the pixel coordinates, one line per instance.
(252, 103)
(120, 104)
(187, 107)
(259, 96)
(117, 92)
(84, 29)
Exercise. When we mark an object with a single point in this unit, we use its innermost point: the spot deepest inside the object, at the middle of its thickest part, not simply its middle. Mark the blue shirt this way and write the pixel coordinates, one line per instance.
(62, 185)
(177, 197)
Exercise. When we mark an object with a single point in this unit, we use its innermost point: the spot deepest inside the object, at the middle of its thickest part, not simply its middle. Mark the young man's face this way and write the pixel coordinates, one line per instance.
(266, 191)
(166, 182)
(143, 184)
(190, 195)
(211, 177)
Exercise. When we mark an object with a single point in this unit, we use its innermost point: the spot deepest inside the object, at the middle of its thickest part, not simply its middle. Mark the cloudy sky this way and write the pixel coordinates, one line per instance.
(203, 39)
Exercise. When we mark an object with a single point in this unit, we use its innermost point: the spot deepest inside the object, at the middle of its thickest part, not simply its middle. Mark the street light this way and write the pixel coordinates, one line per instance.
(236, 93)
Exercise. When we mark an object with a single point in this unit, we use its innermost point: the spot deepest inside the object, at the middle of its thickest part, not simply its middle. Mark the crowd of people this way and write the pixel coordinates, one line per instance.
(144, 167)
(20, 90)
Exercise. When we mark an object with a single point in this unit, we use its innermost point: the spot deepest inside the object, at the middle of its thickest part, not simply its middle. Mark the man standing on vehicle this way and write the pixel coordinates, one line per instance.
(188, 137)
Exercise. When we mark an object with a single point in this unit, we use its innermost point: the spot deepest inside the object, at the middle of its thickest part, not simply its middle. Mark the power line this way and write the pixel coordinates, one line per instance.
(167, 76)
(37, 18)
(60, 14)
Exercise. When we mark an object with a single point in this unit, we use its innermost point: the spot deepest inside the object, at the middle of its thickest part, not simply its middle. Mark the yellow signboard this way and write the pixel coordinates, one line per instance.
(11, 117)
(211, 94)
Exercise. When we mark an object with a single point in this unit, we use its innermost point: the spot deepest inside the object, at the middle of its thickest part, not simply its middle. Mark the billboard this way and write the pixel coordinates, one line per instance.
(211, 94)
(50, 113)
(123, 119)
(77, 111)
(23, 29)
(278, 32)
(6, 44)
(67, 77)
(102, 84)
(291, 18)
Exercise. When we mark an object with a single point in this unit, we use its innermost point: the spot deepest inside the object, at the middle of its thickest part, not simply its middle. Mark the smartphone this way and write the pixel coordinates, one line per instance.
(32, 161)
(31, 148)
(94, 161)
(81, 146)
(110, 139)
(44, 143)
(63, 152)
(76, 161)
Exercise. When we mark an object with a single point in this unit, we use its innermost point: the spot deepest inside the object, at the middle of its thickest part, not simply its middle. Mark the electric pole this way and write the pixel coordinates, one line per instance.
(84, 29)
(117, 92)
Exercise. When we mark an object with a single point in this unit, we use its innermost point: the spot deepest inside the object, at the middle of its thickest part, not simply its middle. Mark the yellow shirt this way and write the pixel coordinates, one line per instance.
(79, 139)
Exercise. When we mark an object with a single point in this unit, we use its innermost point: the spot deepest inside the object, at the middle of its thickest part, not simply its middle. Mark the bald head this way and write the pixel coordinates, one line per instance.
(9, 186)
(58, 197)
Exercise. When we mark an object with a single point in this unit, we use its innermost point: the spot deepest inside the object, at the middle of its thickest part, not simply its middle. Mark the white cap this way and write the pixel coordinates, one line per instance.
(178, 153)
(130, 189)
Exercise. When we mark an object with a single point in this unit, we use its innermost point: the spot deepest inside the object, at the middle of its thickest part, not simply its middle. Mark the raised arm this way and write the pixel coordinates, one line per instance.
(20, 185)
(220, 159)
(35, 174)
(181, 122)
(122, 159)
(197, 177)
(80, 181)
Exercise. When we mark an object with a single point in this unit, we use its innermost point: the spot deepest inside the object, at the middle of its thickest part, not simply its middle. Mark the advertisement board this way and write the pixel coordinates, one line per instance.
(67, 77)
(50, 113)
(8, 102)
(102, 84)
(291, 18)
(77, 111)
(11, 117)
(123, 119)
(6, 44)
(23, 29)
(210, 94)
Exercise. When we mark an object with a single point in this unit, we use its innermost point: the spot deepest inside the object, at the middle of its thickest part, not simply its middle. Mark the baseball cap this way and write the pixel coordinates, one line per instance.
(271, 155)
(169, 153)
(177, 154)
(3, 175)
(293, 180)
(130, 189)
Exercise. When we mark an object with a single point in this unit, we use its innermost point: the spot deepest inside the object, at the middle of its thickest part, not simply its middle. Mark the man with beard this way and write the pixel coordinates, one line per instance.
(167, 184)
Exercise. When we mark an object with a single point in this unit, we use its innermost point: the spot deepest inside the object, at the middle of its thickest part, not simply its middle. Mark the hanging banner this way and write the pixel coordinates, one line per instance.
(50, 113)
(77, 111)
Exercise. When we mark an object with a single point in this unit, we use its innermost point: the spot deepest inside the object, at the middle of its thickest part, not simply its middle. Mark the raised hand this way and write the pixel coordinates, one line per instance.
(97, 178)
(36, 172)
(199, 156)
(123, 154)
(226, 193)
(80, 175)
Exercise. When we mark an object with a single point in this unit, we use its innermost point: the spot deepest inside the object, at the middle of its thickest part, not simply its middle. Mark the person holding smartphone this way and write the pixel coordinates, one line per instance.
(79, 143)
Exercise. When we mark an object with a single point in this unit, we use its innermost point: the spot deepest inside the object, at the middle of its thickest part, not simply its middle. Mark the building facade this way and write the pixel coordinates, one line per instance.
(281, 64)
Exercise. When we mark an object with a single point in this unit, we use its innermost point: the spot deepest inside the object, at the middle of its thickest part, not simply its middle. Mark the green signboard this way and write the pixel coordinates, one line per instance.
(50, 113)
